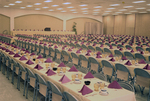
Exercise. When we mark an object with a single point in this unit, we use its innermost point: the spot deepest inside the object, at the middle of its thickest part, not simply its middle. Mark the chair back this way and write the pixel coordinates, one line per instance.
(139, 56)
(91, 48)
(118, 53)
(106, 50)
(84, 61)
(69, 97)
(128, 55)
(126, 85)
(99, 76)
(99, 49)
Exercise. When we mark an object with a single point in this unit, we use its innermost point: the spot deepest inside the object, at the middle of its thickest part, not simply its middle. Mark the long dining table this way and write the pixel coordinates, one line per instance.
(72, 87)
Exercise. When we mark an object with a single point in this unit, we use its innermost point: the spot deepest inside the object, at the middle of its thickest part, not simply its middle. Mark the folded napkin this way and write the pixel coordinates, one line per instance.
(98, 53)
(22, 58)
(112, 59)
(94, 44)
(39, 57)
(147, 67)
(98, 56)
(11, 53)
(87, 43)
(101, 45)
(3, 48)
(27, 51)
(64, 79)
(50, 72)
(120, 49)
(72, 48)
(128, 48)
(82, 42)
(78, 51)
(142, 61)
(61, 65)
(32, 54)
(128, 63)
(48, 60)
(38, 67)
(87, 54)
(124, 58)
(114, 85)
(132, 51)
(85, 90)
(23, 49)
(139, 50)
(7, 50)
(142, 52)
(88, 75)
(69, 49)
(73, 69)
(55, 46)
(89, 51)
(110, 47)
(45, 44)
(29, 62)
(16, 55)
(111, 55)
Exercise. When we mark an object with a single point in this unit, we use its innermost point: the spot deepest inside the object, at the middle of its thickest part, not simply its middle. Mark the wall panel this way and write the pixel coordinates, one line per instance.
(4, 24)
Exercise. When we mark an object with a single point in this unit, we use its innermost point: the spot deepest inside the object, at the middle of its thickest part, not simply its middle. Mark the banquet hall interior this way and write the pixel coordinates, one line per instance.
(74, 50)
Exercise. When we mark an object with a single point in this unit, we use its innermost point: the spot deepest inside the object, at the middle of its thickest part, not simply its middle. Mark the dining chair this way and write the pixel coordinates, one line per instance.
(4, 58)
(84, 64)
(54, 93)
(123, 73)
(94, 65)
(65, 57)
(148, 49)
(126, 85)
(75, 59)
(14, 69)
(100, 76)
(46, 52)
(142, 79)
(91, 48)
(139, 48)
(107, 51)
(52, 53)
(121, 46)
(69, 97)
(41, 86)
(118, 53)
(33, 47)
(99, 49)
(129, 55)
(42, 50)
(58, 55)
(139, 56)
(84, 47)
(78, 46)
(107, 44)
(108, 70)
(0, 60)
(128, 46)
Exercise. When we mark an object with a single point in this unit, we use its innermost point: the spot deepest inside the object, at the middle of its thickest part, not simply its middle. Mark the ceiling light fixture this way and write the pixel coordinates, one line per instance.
(83, 8)
(22, 7)
(108, 11)
(138, 1)
(115, 5)
(133, 11)
(29, 6)
(140, 8)
(83, 5)
(96, 10)
(48, 1)
(6, 6)
(59, 8)
(85, 13)
(45, 7)
(74, 12)
(70, 7)
(142, 12)
(37, 8)
(18, 1)
(118, 12)
(66, 3)
(127, 13)
(127, 6)
(11, 4)
(123, 10)
(54, 5)
(63, 11)
(50, 10)
(37, 4)
(110, 8)
(98, 7)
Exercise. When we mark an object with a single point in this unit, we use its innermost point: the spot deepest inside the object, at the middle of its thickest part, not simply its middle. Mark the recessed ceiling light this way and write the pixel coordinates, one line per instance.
(118, 12)
(110, 8)
(123, 10)
(22, 7)
(115, 5)
(108, 11)
(6, 6)
(54, 5)
(127, 6)
(11, 4)
(83, 5)
(84, 11)
(142, 12)
(66, 3)
(45, 7)
(18, 1)
(73, 10)
(37, 4)
(48, 1)
(70, 7)
(98, 7)
(95, 14)
(50, 10)
(96, 10)
(133, 11)
(59, 8)
(37, 8)
(138, 1)
(29, 5)
(148, 4)
(63, 11)
(140, 8)
(83, 8)
(114, 14)
(127, 13)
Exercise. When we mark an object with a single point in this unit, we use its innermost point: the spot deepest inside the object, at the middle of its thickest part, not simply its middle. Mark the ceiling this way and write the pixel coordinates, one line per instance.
(91, 7)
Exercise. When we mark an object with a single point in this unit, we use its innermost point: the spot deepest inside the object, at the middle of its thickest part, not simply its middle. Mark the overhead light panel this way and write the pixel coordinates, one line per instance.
(127, 6)
(37, 4)
(54, 5)
(108, 11)
(98, 7)
(127, 13)
(118, 12)
(133, 11)
(37, 8)
(59, 8)
(83, 8)
(11, 4)
(140, 8)
(85, 13)
(142, 12)
(138, 1)
(22, 7)
(29, 5)
(6, 6)
(18, 1)
(45, 7)
(63, 11)
(48, 1)
(70, 7)
(74, 12)
(96, 10)
(66, 3)
(83, 5)
(123, 10)
(115, 5)
(50, 10)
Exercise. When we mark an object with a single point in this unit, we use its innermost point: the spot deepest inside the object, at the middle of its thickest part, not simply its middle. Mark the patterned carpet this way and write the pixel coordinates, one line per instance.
(9, 92)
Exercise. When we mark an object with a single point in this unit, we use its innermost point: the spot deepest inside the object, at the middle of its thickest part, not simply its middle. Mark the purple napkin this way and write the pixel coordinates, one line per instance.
(85, 90)
(78, 51)
(132, 51)
(147, 67)
(11, 53)
(112, 59)
(89, 51)
(64, 79)
(111, 47)
(22, 58)
(128, 48)
(82, 42)
(27, 51)
(32, 54)
(114, 85)
(39, 57)
(55, 46)
(73, 69)
(48, 60)
(142, 52)
(139, 50)
(38, 67)
(50, 72)
(88, 75)
(124, 58)
(94, 44)
(120, 49)
(61, 65)
(87, 54)
(23, 49)
(142, 61)
(98, 56)
(128, 63)
(29, 62)
(69, 49)
(101, 45)
(72, 48)
(63, 48)
(16, 55)
(7, 50)
(111, 55)
(98, 53)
